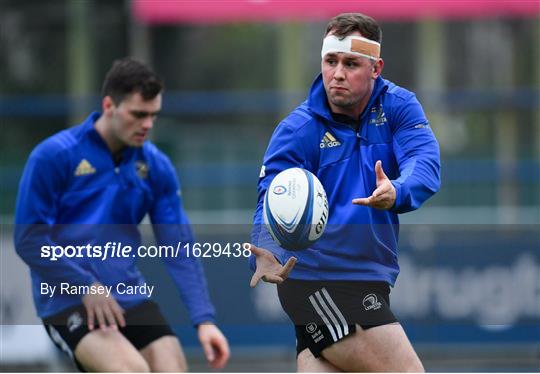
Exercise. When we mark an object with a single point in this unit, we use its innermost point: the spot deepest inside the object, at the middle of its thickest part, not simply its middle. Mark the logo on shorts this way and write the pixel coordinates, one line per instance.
(74, 321)
(311, 327)
(371, 303)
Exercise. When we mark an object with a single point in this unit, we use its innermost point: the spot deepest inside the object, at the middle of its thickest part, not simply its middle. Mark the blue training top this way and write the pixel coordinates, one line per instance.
(360, 243)
(71, 192)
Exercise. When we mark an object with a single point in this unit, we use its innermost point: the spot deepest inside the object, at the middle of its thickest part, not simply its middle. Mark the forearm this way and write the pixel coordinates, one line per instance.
(419, 180)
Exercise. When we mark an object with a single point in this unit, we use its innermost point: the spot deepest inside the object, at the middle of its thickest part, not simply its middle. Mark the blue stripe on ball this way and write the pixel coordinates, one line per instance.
(299, 238)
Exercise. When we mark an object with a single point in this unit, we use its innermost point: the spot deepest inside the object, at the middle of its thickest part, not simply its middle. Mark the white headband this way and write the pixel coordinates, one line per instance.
(356, 45)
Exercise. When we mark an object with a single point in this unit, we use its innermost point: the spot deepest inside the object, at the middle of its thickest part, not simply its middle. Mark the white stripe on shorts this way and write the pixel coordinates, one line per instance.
(57, 338)
(330, 314)
(338, 312)
(325, 320)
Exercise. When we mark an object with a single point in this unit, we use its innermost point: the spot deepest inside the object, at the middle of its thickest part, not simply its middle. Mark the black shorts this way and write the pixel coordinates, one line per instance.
(324, 312)
(144, 324)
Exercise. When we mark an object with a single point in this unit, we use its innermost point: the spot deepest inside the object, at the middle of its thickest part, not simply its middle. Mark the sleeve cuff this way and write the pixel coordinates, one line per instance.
(397, 203)
(211, 318)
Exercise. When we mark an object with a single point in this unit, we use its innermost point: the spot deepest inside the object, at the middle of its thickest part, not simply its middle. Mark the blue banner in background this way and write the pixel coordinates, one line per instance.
(470, 283)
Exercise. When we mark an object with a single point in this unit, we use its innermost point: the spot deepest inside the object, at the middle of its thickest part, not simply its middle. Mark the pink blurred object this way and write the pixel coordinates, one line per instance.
(231, 11)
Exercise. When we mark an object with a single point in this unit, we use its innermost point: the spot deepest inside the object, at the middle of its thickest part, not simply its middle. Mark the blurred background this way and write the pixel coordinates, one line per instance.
(469, 291)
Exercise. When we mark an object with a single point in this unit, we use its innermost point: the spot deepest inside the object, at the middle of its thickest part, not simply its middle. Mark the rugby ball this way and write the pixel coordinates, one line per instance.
(295, 209)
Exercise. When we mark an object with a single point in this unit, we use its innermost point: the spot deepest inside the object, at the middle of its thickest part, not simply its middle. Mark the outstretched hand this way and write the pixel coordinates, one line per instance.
(384, 195)
(268, 268)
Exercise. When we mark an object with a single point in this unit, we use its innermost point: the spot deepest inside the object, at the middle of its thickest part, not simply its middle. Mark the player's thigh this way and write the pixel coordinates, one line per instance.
(382, 348)
(307, 363)
(109, 351)
(165, 355)
(148, 331)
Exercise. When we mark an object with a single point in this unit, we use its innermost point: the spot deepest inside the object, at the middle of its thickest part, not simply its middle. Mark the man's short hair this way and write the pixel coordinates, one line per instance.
(128, 76)
(346, 23)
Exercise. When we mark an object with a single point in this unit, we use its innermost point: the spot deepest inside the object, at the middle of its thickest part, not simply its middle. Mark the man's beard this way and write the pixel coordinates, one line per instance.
(343, 102)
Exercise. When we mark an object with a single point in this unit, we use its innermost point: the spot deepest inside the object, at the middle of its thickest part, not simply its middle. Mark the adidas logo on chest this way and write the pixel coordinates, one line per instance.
(84, 168)
(329, 141)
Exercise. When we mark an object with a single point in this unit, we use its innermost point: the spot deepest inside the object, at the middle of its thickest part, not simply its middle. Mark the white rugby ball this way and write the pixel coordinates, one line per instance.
(295, 209)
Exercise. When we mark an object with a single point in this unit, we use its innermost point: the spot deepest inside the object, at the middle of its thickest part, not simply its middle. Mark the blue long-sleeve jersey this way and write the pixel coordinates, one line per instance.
(360, 243)
(73, 193)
